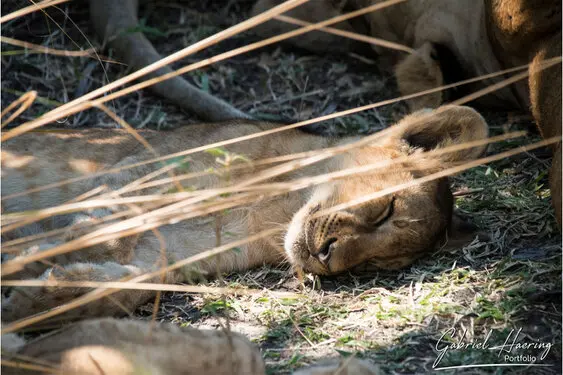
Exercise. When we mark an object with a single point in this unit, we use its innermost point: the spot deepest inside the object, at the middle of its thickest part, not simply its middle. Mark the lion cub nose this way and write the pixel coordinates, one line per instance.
(325, 251)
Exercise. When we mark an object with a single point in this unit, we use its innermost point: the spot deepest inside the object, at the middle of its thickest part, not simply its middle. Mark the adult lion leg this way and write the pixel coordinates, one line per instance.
(110, 346)
(25, 301)
(113, 21)
(545, 96)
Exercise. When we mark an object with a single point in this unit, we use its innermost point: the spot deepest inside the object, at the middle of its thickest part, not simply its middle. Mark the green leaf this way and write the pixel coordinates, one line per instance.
(217, 151)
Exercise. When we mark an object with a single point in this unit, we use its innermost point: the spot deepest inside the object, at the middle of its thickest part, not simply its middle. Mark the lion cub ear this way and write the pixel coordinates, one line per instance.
(445, 126)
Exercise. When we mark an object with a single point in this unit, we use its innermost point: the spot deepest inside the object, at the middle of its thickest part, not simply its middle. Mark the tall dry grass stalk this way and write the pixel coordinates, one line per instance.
(331, 116)
(87, 101)
(18, 220)
(29, 366)
(191, 202)
(36, 48)
(30, 9)
(24, 102)
(148, 212)
(350, 35)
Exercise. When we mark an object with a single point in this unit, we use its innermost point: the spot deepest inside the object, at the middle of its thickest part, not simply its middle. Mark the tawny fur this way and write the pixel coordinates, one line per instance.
(126, 347)
(122, 347)
(482, 37)
(390, 232)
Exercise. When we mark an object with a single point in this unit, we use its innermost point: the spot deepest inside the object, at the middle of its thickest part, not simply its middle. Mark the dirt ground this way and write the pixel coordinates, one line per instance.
(497, 287)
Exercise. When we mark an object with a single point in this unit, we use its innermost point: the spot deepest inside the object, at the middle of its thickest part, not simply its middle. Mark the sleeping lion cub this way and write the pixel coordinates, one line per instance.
(390, 232)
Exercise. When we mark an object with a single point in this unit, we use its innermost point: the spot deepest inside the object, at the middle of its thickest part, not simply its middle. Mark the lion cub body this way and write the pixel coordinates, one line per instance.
(35, 160)
(391, 231)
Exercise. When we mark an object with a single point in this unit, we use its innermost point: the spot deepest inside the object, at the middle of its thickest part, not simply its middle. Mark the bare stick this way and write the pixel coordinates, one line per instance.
(196, 47)
(75, 106)
(43, 49)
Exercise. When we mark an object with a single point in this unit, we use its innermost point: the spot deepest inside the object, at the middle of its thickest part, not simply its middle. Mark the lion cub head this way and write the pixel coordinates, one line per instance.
(396, 229)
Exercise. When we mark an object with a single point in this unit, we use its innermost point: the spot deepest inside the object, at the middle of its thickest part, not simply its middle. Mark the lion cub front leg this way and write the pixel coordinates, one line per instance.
(26, 301)
(119, 250)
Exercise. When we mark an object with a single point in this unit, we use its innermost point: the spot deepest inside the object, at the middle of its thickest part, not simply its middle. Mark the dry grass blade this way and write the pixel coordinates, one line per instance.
(155, 218)
(28, 218)
(127, 127)
(20, 244)
(137, 136)
(350, 35)
(199, 46)
(517, 77)
(47, 50)
(26, 100)
(341, 113)
(251, 136)
(143, 181)
(76, 105)
(98, 190)
(30, 9)
(238, 51)
(29, 366)
(273, 131)
(125, 228)
(100, 293)
(290, 157)
(306, 182)
(437, 175)
(12, 221)
(31, 360)
(129, 285)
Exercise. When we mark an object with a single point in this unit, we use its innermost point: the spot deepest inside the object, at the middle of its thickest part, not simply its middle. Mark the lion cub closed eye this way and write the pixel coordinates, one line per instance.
(391, 231)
